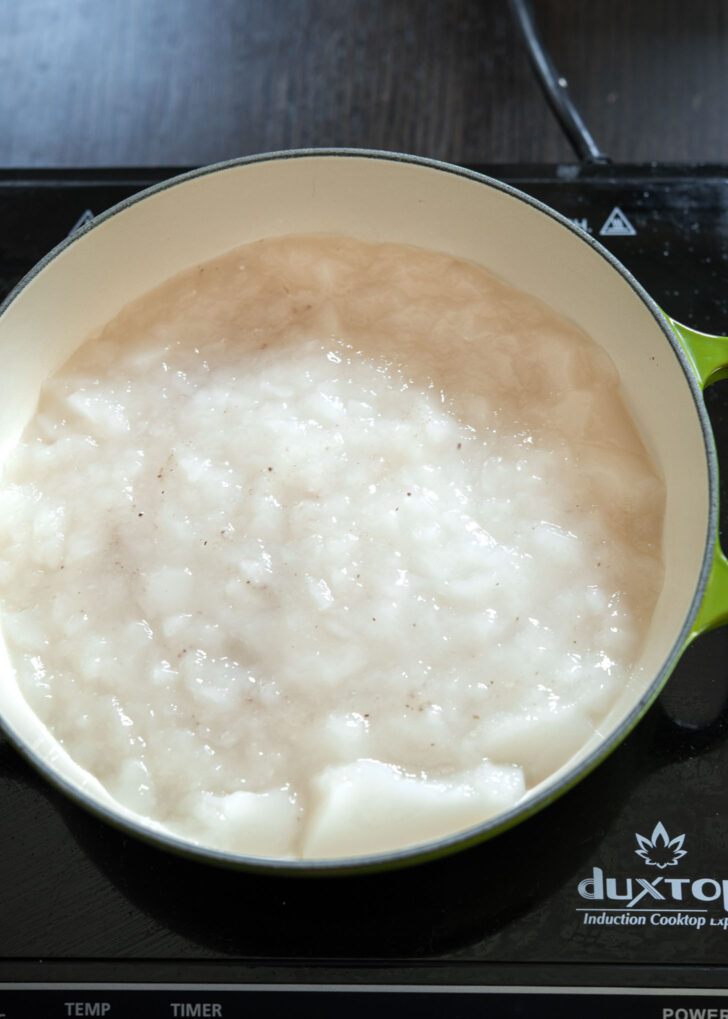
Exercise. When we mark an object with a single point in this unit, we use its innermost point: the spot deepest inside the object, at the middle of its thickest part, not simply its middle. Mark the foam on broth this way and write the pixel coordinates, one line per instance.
(326, 548)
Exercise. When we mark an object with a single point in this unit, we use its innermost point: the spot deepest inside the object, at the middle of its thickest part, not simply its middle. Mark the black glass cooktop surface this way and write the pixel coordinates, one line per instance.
(592, 893)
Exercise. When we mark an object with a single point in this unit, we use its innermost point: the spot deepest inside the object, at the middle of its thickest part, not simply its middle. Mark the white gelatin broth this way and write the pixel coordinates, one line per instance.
(328, 548)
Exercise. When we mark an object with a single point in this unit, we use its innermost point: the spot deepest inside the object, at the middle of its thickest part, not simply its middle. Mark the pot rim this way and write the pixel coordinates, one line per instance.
(552, 790)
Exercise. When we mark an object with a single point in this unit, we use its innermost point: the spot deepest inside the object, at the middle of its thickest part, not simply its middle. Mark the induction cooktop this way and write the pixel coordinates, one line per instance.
(614, 897)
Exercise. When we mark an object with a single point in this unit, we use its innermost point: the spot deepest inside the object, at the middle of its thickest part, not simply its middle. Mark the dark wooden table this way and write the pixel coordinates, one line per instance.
(185, 82)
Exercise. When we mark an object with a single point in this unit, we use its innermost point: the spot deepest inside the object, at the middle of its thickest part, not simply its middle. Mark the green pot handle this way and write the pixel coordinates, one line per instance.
(708, 357)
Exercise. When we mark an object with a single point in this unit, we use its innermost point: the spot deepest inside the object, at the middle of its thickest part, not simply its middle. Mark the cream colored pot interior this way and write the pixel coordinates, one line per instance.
(383, 200)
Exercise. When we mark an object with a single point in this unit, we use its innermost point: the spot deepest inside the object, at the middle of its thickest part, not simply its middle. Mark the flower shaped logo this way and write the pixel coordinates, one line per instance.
(660, 850)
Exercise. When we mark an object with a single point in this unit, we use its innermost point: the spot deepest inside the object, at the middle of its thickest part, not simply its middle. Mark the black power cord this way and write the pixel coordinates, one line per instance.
(554, 86)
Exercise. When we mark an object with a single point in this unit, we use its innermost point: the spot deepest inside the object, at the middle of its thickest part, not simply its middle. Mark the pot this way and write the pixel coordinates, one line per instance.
(378, 196)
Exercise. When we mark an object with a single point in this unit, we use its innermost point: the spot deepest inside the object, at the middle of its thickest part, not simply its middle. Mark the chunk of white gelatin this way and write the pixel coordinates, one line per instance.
(369, 807)
(520, 737)
(266, 824)
(102, 415)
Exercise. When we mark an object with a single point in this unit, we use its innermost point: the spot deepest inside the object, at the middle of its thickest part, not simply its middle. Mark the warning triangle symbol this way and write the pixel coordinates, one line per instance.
(85, 217)
(617, 225)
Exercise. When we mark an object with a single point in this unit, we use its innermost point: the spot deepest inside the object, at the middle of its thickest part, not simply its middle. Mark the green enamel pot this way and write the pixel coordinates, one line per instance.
(375, 196)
